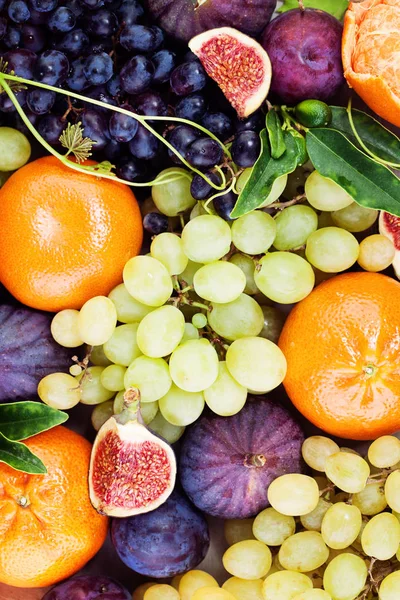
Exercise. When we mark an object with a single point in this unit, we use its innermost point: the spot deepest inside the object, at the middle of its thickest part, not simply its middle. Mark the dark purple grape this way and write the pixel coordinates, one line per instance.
(51, 127)
(130, 169)
(75, 6)
(92, 4)
(62, 20)
(95, 127)
(122, 128)
(138, 38)
(180, 138)
(21, 61)
(188, 78)
(155, 223)
(246, 148)
(74, 43)
(159, 36)
(150, 104)
(224, 205)
(98, 68)
(129, 12)
(164, 63)
(76, 79)
(204, 153)
(144, 145)
(3, 27)
(102, 23)
(18, 11)
(38, 18)
(100, 93)
(12, 39)
(20, 125)
(52, 67)
(137, 75)
(114, 86)
(200, 189)
(40, 101)
(33, 37)
(255, 122)
(113, 151)
(43, 5)
(2, 5)
(6, 105)
(190, 56)
(192, 108)
(219, 124)
(98, 46)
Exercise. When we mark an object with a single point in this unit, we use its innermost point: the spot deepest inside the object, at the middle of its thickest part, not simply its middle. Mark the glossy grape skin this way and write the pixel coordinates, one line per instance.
(253, 123)
(95, 127)
(12, 38)
(204, 153)
(137, 75)
(219, 124)
(138, 38)
(51, 67)
(18, 11)
(201, 189)
(150, 104)
(98, 68)
(33, 37)
(102, 23)
(76, 79)
(180, 138)
(144, 144)
(155, 223)
(187, 78)
(22, 62)
(74, 43)
(224, 205)
(43, 5)
(129, 11)
(246, 148)
(164, 63)
(114, 151)
(191, 107)
(40, 101)
(62, 20)
(122, 128)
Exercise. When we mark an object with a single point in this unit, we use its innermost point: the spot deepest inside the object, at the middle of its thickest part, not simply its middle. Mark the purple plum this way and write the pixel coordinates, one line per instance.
(88, 587)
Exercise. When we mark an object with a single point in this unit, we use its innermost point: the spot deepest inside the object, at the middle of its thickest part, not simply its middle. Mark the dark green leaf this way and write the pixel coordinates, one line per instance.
(19, 457)
(375, 136)
(21, 420)
(265, 171)
(337, 8)
(275, 134)
(300, 141)
(370, 184)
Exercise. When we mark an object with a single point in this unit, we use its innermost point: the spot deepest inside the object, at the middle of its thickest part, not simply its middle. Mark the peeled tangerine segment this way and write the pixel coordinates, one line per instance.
(239, 65)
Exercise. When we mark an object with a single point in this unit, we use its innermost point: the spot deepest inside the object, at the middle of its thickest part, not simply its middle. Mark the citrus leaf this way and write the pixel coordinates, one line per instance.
(370, 184)
(21, 420)
(265, 171)
(337, 8)
(275, 134)
(19, 457)
(375, 136)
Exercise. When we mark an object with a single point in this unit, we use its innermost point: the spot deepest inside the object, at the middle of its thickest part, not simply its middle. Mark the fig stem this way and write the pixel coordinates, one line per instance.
(301, 5)
(254, 460)
(131, 407)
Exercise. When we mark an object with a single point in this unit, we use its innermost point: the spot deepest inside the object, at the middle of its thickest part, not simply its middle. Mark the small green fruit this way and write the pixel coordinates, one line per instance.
(15, 149)
(313, 113)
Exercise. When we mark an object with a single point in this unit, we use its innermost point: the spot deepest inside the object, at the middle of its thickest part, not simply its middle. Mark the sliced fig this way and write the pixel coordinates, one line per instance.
(239, 65)
(132, 471)
(389, 226)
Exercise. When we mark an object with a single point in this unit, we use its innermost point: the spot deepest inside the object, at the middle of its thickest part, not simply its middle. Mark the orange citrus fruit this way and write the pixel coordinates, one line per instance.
(370, 53)
(65, 236)
(342, 345)
(48, 528)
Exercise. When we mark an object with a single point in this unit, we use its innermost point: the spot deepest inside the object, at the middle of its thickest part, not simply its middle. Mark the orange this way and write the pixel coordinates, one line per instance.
(48, 528)
(342, 345)
(370, 53)
(65, 236)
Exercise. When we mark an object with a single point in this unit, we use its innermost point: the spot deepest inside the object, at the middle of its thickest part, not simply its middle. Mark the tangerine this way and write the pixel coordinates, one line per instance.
(65, 236)
(342, 345)
(370, 54)
(48, 527)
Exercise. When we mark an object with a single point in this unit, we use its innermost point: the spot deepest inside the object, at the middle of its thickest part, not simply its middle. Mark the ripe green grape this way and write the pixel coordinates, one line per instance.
(345, 576)
(161, 591)
(59, 390)
(392, 490)
(212, 593)
(188, 274)
(206, 238)
(225, 397)
(349, 472)
(128, 309)
(194, 365)
(162, 427)
(313, 595)
(246, 264)
(190, 333)
(180, 407)
(98, 358)
(238, 530)
(197, 210)
(371, 500)
(313, 520)
(354, 217)
(139, 592)
(324, 194)
(376, 253)
(390, 586)
(199, 321)
(241, 318)
(174, 197)
(219, 281)
(150, 375)
(384, 452)
(92, 390)
(284, 277)
(97, 320)
(293, 494)
(316, 449)
(15, 149)
(195, 580)
(341, 525)
(332, 249)
(381, 536)
(256, 363)
(64, 328)
(112, 378)
(168, 249)
(244, 589)
(250, 559)
(147, 280)
(293, 226)
(254, 233)
(273, 528)
(122, 347)
(101, 413)
(75, 370)
(303, 552)
(274, 320)
(160, 332)
(285, 585)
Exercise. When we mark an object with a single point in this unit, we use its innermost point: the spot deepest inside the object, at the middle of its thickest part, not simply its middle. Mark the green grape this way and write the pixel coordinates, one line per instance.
(97, 320)
(225, 397)
(293, 494)
(316, 449)
(15, 149)
(332, 249)
(164, 428)
(147, 280)
(249, 559)
(349, 472)
(284, 277)
(246, 264)
(293, 226)
(75, 370)
(303, 552)
(167, 248)
(128, 309)
(354, 217)
(324, 194)
(392, 490)
(256, 363)
(206, 238)
(238, 530)
(341, 525)
(150, 375)
(219, 281)
(195, 580)
(254, 233)
(371, 500)
(244, 589)
(274, 320)
(188, 274)
(92, 390)
(197, 210)
(160, 332)
(174, 197)
(345, 577)
(381, 536)
(59, 390)
(161, 591)
(273, 528)
(122, 347)
(376, 253)
(241, 318)
(140, 591)
(313, 520)
(112, 378)
(194, 365)
(390, 586)
(190, 333)
(199, 320)
(313, 595)
(180, 407)
(64, 328)
(212, 593)
(384, 452)
(101, 413)
(285, 585)
(98, 358)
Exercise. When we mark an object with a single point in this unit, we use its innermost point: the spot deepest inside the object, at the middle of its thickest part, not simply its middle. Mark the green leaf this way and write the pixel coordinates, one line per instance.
(370, 184)
(337, 8)
(21, 420)
(265, 171)
(375, 136)
(19, 457)
(275, 134)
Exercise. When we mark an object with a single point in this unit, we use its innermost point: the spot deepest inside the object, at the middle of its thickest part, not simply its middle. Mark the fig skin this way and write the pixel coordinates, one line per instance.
(304, 47)
(168, 541)
(389, 226)
(88, 587)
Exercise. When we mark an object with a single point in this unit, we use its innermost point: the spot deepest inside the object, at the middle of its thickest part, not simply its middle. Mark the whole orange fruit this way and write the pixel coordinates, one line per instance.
(342, 345)
(65, 236)
(48, 527)
(370, 53)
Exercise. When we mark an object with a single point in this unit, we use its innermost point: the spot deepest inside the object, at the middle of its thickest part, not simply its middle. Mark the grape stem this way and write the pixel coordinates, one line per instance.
(283, 205)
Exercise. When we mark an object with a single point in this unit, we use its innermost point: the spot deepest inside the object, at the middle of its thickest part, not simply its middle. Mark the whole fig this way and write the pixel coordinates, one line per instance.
(88, 587)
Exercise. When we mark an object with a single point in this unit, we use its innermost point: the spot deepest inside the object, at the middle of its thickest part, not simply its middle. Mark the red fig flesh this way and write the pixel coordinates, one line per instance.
(239, 65)
(389, 226)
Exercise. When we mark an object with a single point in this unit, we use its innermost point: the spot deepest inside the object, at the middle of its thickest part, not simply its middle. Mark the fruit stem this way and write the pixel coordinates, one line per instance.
(23, 501)
(301, 5)
(131, 407)
(254, 460)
